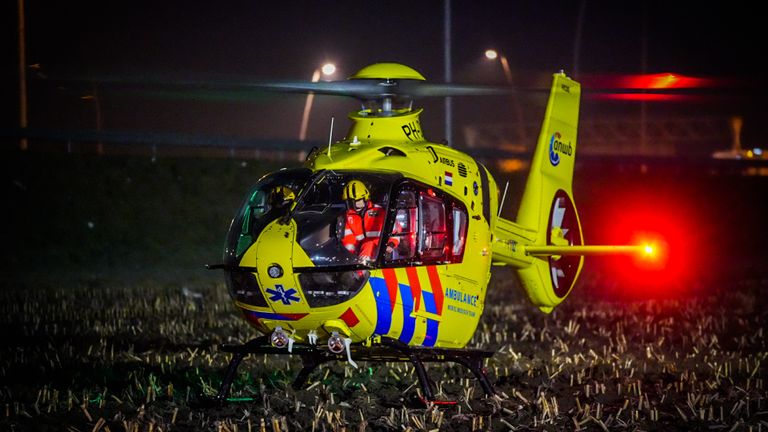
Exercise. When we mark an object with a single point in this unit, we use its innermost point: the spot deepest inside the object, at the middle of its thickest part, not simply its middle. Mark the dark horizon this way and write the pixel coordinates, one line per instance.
(262, 42)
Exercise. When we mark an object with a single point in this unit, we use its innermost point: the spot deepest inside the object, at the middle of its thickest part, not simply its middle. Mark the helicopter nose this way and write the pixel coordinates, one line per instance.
(273, 253)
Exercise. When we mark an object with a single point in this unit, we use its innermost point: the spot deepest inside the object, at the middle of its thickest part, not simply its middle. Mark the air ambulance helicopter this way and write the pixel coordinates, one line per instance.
(380, 247)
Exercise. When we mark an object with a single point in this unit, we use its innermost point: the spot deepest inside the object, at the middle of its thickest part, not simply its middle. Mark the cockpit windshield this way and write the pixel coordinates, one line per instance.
(269, 199)
(341, 216)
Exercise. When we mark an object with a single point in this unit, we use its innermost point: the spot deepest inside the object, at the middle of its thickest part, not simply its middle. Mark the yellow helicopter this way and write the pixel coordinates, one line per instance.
(380, 247)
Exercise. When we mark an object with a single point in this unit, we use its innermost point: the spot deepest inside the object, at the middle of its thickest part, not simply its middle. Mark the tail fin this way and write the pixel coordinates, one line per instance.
(547, 215)
(553, 160)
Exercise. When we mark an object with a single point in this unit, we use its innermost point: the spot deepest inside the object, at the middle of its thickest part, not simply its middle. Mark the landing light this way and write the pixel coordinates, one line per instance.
(275, 271)
(648, 250)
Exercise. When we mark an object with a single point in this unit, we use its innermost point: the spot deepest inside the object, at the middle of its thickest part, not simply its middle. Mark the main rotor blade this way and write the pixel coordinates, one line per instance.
(421, 89)
(363, 89)
(371, 89)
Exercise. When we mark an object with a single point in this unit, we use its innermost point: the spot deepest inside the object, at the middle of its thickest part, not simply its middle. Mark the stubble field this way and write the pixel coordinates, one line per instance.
(134, 358)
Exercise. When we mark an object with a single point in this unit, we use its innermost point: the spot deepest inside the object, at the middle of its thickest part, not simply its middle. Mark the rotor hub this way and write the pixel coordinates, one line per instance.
(387, 72)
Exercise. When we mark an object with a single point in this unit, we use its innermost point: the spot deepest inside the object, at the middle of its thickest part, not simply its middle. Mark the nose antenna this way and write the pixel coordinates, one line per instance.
(330, 138)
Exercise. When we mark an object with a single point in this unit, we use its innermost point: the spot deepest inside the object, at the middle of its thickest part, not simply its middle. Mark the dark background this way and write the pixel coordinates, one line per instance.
(250, 40)
(168, 215)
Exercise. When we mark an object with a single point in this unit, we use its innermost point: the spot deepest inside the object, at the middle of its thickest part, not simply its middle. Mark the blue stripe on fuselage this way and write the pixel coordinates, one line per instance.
(383, 309)
(429, 304)
(409, 322)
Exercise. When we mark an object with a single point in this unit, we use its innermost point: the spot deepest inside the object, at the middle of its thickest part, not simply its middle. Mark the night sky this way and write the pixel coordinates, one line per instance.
(288, 40)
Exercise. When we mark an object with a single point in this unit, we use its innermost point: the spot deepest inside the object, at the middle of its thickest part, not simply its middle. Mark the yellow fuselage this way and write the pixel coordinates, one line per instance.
(432, 305)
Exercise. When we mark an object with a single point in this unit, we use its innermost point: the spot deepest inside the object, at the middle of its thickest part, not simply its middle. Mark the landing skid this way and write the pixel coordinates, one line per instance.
(385, 350)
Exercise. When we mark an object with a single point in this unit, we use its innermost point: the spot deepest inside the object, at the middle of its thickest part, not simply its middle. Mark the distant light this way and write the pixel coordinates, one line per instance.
(491, 54)
(750, 153)
(648, 250)
(758, 151)
(512, 165)
(663, 81)
(329, 69)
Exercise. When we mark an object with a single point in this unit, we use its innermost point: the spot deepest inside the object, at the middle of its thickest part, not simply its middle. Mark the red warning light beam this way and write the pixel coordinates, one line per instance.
(658, 81)
(660, 87)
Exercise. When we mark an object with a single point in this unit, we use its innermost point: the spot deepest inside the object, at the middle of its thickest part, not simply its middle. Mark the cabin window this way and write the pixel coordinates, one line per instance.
(402, 240)
(429, 227)
(459, 236)
(432, 233)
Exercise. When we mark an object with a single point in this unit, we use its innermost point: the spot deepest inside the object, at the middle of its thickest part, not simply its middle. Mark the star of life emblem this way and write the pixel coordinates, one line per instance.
(283, 295)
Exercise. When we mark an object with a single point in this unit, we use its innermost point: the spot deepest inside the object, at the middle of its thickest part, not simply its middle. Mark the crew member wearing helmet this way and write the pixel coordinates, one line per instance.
(364, 222)
(281, 196)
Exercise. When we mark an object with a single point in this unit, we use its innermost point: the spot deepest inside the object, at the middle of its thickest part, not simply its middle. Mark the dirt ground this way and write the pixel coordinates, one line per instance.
(95, 356)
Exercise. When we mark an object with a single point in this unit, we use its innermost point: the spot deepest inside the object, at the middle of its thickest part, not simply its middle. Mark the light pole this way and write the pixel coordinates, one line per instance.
(327, 69)
(492, 54)
(23, 108)
(447, 71)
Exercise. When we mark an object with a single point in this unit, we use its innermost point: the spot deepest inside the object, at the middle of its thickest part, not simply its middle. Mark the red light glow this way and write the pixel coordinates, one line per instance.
(645, 97)
(668, 265)
(660, 87)
(655, 251)
(658, 81)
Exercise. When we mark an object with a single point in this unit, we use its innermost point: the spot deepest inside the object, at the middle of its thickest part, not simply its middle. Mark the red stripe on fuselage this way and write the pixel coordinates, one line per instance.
(390, 278)
(413, 281)
(437, 288)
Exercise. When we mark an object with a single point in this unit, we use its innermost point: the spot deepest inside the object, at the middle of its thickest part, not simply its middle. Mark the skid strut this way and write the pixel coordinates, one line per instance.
(386, 350)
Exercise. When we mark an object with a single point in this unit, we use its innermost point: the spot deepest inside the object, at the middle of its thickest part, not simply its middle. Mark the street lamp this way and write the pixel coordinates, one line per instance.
(492, 54)
(327, 69)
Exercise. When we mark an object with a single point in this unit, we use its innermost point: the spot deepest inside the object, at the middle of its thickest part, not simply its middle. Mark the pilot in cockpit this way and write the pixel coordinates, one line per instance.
(281, 196)
(364, 221)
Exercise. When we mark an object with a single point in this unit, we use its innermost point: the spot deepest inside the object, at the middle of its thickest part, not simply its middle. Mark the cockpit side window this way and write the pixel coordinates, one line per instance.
(270, 198)
(341, 216)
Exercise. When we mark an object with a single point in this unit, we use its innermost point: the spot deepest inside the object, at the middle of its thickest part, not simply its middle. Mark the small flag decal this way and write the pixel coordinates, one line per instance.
(448, 178)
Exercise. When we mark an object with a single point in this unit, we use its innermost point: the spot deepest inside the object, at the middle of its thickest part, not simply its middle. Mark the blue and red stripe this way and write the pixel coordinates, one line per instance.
(276, 316)
(385, 293)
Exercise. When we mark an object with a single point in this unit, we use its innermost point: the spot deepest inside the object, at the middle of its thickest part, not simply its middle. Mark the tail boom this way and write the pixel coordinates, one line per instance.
(585, 250)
